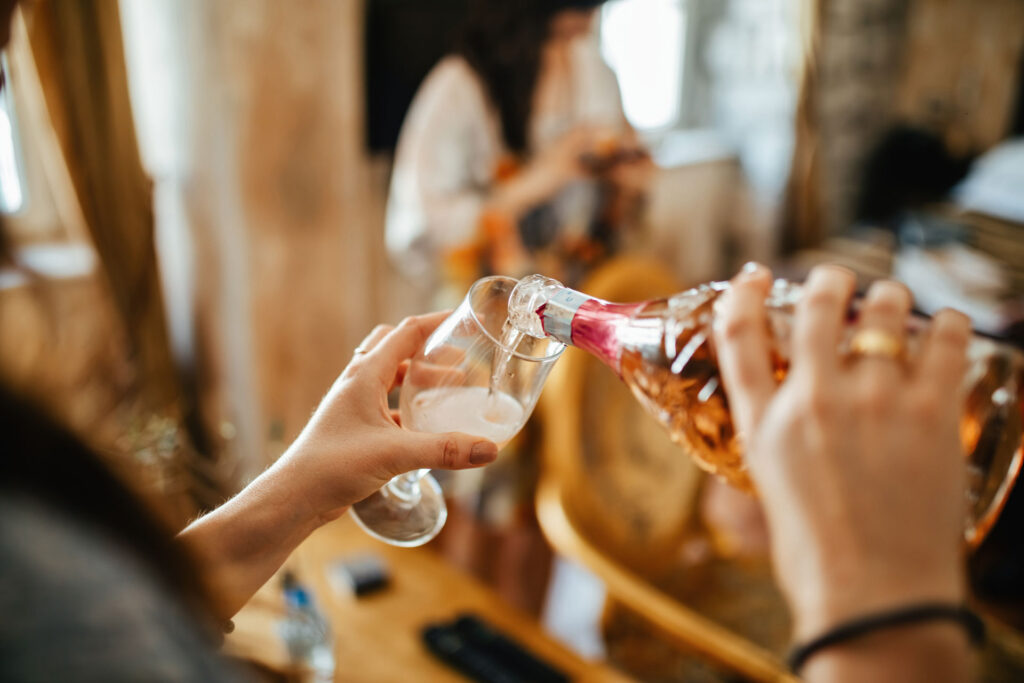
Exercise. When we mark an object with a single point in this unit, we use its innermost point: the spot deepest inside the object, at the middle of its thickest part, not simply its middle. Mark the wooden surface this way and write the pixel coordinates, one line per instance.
(377, 638)
(961, 63)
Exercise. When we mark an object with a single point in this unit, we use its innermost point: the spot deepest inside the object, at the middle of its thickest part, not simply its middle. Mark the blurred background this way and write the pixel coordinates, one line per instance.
(216, 200)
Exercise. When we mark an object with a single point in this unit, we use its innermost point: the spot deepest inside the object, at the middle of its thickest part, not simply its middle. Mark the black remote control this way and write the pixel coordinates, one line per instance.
(484, 654)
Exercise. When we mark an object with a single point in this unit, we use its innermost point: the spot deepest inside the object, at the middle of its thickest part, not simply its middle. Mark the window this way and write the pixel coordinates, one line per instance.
(12, 198)
(702, 78)
(644, 42)
(37, 198)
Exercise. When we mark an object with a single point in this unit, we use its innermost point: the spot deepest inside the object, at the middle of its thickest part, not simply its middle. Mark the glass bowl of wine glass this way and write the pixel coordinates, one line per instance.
(475, 374)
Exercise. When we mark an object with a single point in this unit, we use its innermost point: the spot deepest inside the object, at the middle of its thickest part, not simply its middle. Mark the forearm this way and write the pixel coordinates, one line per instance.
(350, 448)
(925, 653)
(530, 188)
(248, 538)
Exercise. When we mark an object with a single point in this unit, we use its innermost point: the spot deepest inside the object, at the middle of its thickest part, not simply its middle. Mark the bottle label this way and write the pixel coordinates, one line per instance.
(558, 314)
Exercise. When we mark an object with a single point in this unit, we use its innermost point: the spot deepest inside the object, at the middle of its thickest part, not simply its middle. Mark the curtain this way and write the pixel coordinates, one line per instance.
(801, 213)
(77, 50)
(284, 207)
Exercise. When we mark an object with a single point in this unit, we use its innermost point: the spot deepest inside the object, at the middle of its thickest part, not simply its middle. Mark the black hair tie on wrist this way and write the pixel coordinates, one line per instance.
(854, 628)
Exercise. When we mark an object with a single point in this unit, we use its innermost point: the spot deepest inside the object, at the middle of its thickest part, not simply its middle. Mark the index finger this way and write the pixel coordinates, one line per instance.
(742, 345)
(401, 343)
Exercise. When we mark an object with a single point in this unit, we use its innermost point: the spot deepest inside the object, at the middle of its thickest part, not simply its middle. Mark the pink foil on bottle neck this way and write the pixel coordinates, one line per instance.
(596, 329)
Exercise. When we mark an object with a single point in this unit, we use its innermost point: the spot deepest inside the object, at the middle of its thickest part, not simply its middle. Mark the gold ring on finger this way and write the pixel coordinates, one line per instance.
(876, 343)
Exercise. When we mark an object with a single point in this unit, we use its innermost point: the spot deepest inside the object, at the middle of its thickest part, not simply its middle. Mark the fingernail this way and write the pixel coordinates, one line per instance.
(828, 271)
(482, 453)
(750, 270)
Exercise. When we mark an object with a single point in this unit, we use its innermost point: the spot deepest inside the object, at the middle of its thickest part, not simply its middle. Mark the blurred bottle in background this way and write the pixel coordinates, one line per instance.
(306, 633)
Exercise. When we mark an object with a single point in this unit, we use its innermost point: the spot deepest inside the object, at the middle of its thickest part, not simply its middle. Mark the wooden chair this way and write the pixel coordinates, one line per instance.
(617, 496)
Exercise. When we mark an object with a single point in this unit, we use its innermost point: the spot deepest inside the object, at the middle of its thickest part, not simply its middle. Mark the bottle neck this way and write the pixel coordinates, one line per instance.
(588, 323)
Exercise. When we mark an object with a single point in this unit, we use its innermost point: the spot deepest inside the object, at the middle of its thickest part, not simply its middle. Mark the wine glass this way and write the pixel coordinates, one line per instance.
(474, 374)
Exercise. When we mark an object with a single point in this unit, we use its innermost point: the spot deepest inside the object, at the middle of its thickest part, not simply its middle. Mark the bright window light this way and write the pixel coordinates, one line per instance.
(11, 196)
(10, 184)
(642, 40)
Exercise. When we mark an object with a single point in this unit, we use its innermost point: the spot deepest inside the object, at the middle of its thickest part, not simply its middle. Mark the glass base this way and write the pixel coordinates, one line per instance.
(400, 520)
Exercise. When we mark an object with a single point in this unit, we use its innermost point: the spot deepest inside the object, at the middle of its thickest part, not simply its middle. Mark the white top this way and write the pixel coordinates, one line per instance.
(451, 144)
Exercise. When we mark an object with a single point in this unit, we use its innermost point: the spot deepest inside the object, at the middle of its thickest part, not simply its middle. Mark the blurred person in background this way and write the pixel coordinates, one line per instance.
(515, 155)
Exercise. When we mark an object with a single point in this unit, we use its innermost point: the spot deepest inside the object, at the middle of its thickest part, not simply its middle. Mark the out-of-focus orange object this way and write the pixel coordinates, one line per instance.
(507, 168)
(461, 265)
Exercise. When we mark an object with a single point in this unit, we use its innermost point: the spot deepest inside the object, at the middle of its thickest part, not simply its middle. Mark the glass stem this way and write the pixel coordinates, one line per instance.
(406, 487)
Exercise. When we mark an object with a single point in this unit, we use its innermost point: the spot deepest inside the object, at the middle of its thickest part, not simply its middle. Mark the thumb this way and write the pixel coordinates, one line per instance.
(450, 451)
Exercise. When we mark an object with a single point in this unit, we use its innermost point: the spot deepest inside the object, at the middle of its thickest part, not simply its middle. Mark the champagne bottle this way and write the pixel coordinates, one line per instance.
(664, 351)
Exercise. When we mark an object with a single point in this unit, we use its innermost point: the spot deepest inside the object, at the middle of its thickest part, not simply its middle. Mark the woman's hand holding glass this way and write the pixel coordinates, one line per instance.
(351, 447)
(354, 443)
(467, 376)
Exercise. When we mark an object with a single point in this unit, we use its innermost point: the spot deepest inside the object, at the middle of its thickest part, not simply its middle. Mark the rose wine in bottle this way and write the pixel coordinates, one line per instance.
(663, 350)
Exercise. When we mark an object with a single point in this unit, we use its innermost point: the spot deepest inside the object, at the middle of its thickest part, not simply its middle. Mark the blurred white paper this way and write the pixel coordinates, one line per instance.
(995, 185)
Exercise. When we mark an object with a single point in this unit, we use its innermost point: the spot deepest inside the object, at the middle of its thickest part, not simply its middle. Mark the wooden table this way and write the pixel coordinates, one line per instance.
(377, 638)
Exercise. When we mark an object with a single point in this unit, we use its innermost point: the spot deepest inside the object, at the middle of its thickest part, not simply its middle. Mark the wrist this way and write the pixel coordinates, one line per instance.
(309, 502)
(844, 594)
(930, 651)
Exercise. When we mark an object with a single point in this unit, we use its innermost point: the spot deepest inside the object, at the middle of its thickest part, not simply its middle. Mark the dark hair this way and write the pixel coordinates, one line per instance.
(905, 169)
(502, 41)
(44, 460)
